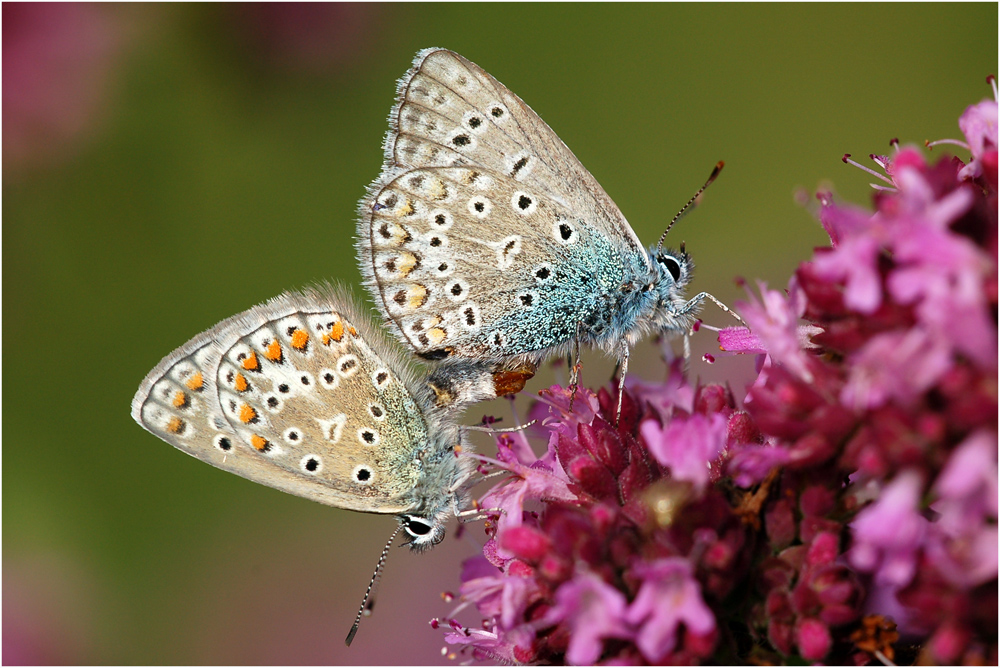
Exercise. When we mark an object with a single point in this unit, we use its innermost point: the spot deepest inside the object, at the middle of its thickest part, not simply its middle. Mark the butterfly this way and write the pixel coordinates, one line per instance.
(488, 246)
(303, 395)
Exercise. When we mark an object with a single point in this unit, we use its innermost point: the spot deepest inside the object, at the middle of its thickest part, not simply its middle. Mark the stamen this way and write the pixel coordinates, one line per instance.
(954, 142)
(847, 159)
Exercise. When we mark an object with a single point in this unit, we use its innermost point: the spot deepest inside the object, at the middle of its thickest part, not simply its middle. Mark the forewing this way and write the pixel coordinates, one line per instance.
(475, 186)
(290, 394)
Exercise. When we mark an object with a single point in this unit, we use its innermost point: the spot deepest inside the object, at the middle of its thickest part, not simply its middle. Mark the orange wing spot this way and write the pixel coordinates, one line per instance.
(353, 331)
(196, 382)
(241, 383)
(299, 339)
(175, 426)
(180, 400)
(273, 351)
(260, 443)
(251, 363)
(247, 414)
(337, 331)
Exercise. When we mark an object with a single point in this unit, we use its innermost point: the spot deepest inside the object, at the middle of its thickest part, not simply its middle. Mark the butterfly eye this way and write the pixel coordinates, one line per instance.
(416, 526)
(671, 265)
(424, 532)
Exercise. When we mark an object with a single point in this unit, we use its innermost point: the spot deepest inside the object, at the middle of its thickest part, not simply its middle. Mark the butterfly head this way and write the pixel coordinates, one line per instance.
(423, 532)
(672, 271)
(442, 488)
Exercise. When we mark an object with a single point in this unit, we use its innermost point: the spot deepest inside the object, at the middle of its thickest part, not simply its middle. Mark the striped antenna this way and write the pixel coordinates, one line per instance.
(715, 172)
(371, 587)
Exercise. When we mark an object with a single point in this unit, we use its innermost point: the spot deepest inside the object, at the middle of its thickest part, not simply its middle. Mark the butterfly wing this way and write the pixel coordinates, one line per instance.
(484, 235)
(292, 395)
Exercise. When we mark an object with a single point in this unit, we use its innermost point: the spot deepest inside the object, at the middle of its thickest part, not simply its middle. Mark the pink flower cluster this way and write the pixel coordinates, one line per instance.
(844, 511)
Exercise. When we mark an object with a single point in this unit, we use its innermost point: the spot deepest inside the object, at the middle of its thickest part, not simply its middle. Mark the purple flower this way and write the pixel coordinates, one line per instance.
(687, 446)
(668, 597)
(898, 365)
(979, 125)
(889, 533)
(697, 526)
(774, 319)
(591, 610)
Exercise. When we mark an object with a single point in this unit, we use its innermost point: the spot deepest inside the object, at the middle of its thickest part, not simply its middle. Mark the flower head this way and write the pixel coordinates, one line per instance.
(851, 492)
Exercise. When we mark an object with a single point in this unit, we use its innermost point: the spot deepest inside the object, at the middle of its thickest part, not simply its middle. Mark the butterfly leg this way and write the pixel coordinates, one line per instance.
(623, 362)
(574, 373)
(702, 296)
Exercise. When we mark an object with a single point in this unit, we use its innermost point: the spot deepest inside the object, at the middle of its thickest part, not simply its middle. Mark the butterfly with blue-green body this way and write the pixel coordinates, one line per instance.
(488, 245)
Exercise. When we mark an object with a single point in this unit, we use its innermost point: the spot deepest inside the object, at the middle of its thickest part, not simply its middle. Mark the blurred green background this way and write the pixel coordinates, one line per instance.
(166, 166)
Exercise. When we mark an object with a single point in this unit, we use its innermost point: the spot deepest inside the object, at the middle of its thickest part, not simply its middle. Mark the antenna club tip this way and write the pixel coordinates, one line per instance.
(846, 157)
(350, 636)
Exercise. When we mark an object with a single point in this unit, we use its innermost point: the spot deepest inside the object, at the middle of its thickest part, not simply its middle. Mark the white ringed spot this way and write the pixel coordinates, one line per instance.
(311, 464)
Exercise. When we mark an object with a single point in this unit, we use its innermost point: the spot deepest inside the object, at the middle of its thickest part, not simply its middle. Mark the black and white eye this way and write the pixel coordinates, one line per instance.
(416, 526)
(223, 443)
(292, 435)
(672, 266)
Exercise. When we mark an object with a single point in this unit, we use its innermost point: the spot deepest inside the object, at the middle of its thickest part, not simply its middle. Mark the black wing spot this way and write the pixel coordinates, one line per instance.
(456, 289)
(470, 316)
(312, 464)
(524, 202)
(283, 388)
(475, 122)
(543, 273)
(479, 206)
(565, 231)
(518, 166)
(526, 299)
(400, 297)
(363, 475)
(461, 140)
(496, 112)
(435, 241)
(440, 219)
(434, 355)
